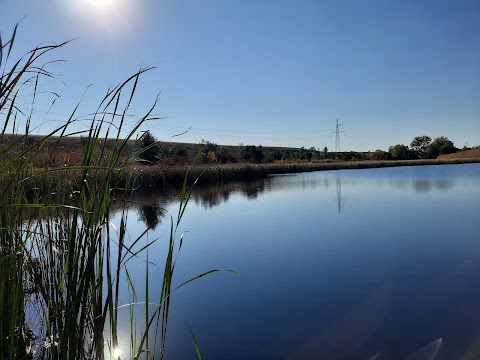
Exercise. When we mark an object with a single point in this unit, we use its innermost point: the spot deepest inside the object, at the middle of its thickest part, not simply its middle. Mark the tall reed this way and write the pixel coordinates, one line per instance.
(59, 253)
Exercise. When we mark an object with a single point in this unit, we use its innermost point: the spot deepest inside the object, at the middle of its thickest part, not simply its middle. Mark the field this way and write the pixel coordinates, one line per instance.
(467, 154)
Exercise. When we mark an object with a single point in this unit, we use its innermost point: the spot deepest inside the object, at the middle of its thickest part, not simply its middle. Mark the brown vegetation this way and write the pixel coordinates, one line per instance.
(467, 154)
(163, 176)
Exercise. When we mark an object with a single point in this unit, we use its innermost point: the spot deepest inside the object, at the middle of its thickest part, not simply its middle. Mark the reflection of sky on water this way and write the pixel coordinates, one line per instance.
(395, 270)
(419, 179)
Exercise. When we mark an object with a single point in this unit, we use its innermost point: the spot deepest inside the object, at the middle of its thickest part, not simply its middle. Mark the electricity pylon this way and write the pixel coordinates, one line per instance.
(337, 137)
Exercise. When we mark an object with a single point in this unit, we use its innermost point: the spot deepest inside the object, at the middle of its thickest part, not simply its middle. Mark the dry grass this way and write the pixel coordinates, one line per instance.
(166, 176)
(467, 154)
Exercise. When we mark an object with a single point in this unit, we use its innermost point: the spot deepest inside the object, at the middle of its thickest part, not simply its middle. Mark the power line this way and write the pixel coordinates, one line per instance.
(243, 131)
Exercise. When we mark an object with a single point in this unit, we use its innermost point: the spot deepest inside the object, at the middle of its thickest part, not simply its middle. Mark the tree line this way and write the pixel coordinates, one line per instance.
(421, 147)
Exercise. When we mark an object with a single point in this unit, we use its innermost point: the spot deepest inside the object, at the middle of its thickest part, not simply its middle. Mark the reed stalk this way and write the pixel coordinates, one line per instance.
(60, 255)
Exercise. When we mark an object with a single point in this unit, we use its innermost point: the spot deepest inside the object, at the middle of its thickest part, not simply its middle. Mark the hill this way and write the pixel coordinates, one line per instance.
(467, 154)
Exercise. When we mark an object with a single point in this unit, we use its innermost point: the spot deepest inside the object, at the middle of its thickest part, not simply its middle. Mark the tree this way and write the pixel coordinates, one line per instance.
(379, 155)
(420, 144)
(224, 156)
(208, 146)
(399, 152)
(251, 152)
(150, 148)
(440, 145)
(325, 150)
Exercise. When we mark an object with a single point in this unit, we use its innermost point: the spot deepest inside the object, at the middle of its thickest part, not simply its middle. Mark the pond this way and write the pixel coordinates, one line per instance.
(345, 264)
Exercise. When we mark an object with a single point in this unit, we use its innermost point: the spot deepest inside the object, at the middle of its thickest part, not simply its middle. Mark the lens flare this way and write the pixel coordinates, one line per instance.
(116, 353)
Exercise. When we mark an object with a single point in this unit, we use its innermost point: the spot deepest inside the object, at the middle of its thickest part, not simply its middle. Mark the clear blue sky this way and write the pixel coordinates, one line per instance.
(269, 72)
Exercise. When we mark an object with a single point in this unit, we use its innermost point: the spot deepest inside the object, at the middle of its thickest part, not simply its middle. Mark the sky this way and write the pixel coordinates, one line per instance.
(263, 72)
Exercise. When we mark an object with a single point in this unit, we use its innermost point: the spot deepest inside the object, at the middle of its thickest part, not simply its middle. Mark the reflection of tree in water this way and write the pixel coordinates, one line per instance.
(252, 190)
(150, 215)
(325, 183)
(225, 195)
(443, 184)
(424, 186)
(208, 199)
(214, 195)
(399, 184)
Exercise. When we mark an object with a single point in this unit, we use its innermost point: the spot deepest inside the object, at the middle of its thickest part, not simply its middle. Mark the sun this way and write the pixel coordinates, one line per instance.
(104, 17)
(100, 4)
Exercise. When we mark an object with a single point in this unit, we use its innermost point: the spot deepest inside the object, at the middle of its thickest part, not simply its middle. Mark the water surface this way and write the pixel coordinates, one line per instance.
(340, 264)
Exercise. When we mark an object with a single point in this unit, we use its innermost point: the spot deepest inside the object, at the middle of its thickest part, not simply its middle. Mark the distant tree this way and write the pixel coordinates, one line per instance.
(420, 144)
(208, 146)
(399, 152)
(150, 147)
(252, 153)
(277, 155)
(224, 156)
(325, 150)
(177, 150)
(268, 158)
(350, 155)
(379, 155)
(439, 146)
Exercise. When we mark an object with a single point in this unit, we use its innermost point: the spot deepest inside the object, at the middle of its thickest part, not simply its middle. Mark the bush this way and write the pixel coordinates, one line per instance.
(400, 152)
(268, 158)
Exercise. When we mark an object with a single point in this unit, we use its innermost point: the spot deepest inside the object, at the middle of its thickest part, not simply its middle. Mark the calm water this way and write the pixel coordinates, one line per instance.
(344, 264)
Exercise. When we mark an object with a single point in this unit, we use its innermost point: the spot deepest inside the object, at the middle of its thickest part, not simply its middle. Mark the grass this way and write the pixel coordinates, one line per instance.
(61, 258)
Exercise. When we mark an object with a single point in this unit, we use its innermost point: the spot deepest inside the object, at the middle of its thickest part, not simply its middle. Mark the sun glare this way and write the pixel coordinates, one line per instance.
(116, 353)
(116, 16)
(100, 3)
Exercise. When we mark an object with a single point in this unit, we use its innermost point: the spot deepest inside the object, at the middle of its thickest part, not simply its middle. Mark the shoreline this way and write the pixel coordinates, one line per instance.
(162, 176)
